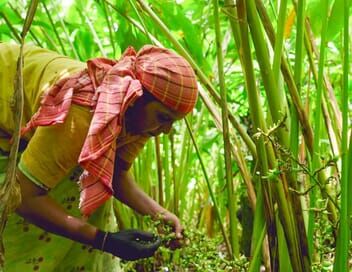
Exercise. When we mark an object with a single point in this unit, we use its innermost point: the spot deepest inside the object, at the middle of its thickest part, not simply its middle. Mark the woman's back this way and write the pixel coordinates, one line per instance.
(41, 69)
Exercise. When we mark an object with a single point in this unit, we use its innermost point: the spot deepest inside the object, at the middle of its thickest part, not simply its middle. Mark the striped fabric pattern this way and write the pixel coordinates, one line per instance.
(168, 76)
(108, 87)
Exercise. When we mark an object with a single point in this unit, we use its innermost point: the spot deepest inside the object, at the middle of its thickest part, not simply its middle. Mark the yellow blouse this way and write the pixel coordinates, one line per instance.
(52, 151)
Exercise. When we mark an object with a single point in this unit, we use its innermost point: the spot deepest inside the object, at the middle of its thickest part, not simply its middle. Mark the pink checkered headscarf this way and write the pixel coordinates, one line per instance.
(108, 87)
(168, 76)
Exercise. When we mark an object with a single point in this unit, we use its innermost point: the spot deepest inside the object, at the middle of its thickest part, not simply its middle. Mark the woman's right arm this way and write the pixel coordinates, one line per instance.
(40, 209)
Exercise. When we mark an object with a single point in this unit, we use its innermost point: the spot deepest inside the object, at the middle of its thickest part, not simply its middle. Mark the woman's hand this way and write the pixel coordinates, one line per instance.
(171, 240)
(127, 191)
(172, 220)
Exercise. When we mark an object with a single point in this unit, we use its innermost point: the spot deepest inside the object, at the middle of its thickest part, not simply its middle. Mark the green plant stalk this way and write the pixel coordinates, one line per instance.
(284, 258)
(210, 190)
(317, 121)
(145, 176)
(226, 137)
(274, 95)
(332, 215)
(49, 40)
(295, 96)
(140, 18)
(328, 90)
(245, 173)
(294, 135)
(329, 125)
(135, 23)
(294, 238)
(334, 121)
(298, 72)
(166, 168)
(182, 169)
(306, 128)
(279, 41)
(237, 154)
(107, 19)
(54, 28)
(264, 201)
(10, 188)
(148, 177)
(341, 259)
(30, 30)
(292, 216)
(302, 116)
(202, 77)
(118, 212)
(200, 120)
(258, 225)
(86, 19)
(349, 178)
(10, 194)
(174, 180)
(160, 171)
(254, 264)
(185, 178)
(73, 49)
(8, 23)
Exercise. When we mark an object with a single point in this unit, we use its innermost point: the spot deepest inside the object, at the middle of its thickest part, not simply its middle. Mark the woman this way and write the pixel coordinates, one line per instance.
(97, 116)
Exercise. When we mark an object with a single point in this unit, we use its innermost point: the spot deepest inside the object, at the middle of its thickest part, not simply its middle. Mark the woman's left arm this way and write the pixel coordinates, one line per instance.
(127, 191)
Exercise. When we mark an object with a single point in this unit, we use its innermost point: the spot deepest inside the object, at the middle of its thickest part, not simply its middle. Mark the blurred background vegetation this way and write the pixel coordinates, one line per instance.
(259, 174)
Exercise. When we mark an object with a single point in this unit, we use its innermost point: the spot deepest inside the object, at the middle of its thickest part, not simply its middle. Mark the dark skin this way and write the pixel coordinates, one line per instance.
(40, 209)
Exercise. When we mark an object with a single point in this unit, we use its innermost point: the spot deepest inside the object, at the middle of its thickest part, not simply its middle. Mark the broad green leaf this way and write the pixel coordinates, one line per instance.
(335, 23)
(86, 51)
(183, 29)
(3, 3)
(314, 15)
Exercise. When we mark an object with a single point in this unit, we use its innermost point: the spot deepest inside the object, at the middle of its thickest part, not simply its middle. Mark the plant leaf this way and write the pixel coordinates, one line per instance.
(335, 23)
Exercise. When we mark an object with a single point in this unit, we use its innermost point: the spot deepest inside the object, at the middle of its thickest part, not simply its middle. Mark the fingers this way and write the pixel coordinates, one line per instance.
(172, 220)
(178, 230)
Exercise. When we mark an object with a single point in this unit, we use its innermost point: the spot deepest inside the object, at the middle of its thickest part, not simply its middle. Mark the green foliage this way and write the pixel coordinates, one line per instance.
(198, 253)
(91, 28)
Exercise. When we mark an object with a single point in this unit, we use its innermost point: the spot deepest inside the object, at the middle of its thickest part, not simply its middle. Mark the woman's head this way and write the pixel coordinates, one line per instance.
(168, 77)
(148, 116)
(169, 91)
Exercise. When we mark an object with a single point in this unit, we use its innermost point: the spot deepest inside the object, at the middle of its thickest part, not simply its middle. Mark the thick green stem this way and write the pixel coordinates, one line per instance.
(279, 39)
(226, 136)
(48, 13)
(160, 172)
(294, 137)
(140, 18)
(257, 116)
(317, 121)
(294, 235)
(341, 259)
(107, 19)
(10, 195)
